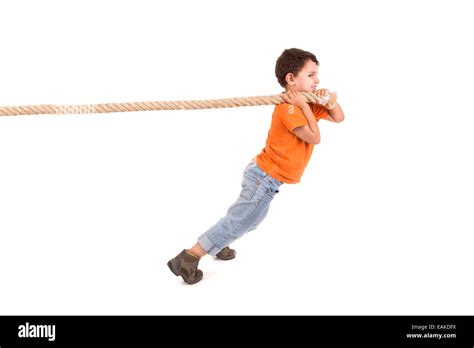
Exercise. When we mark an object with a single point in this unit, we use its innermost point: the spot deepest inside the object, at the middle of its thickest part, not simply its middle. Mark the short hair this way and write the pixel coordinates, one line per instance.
(292, 60)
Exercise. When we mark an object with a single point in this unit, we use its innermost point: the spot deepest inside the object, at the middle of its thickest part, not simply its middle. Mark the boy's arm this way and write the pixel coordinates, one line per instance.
(312, 123)
(309, 132)
(335, 114)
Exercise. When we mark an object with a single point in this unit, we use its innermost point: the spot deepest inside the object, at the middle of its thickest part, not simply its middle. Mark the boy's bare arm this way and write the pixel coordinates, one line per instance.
(312, 123)
(293, 97)
(336, 113)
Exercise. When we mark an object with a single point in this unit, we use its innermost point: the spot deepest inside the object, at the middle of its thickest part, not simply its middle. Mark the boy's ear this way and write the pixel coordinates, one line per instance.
(290, 79)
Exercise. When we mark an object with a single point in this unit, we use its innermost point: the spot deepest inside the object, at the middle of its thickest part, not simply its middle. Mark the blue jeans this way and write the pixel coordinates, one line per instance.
(258, 190)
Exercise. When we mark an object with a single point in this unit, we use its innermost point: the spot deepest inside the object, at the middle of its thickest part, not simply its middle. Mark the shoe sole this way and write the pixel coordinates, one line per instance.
(225, 259)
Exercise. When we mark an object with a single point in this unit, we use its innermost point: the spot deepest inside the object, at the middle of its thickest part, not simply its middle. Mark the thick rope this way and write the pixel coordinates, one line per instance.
(328, 101)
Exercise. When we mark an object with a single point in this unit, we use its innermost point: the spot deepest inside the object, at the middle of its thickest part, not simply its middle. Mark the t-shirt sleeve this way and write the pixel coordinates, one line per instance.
(291, 116)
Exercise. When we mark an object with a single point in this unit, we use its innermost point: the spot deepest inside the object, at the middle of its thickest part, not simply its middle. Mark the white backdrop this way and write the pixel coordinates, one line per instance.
(93, 206)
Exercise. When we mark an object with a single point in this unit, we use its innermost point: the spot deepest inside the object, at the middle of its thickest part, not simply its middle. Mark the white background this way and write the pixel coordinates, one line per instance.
(93, 206)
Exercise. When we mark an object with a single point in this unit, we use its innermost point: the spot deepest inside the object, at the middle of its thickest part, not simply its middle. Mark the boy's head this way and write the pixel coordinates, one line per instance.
(298, 69)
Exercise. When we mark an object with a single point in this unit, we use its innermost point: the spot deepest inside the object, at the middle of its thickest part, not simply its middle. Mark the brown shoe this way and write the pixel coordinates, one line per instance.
(226, 254)
(185, 265)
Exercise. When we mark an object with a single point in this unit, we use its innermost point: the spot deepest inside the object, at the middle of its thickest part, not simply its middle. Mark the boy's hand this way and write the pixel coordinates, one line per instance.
(324, 96)
(292, 96)
(322, 92)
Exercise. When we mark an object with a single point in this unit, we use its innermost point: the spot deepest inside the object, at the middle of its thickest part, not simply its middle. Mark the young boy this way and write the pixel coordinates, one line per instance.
(293, 133)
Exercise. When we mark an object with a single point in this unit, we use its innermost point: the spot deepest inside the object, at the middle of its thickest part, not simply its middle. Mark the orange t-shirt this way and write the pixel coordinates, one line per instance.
(285, 156)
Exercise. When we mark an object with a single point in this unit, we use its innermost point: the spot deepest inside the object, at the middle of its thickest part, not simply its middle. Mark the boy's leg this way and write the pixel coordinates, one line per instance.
(260, 219)
(197, 250)
(228, 253)
(258, 190)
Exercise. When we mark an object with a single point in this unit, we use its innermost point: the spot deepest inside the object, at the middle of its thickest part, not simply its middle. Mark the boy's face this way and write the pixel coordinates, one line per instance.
(306, 80)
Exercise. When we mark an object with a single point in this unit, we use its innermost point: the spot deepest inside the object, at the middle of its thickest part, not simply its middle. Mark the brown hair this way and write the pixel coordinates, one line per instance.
(292, 61)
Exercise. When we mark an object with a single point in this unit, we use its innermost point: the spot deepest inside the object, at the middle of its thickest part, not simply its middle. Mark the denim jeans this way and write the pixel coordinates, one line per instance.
(258, 190)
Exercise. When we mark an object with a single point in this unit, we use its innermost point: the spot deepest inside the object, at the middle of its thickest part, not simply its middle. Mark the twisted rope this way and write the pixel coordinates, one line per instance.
(328, 101)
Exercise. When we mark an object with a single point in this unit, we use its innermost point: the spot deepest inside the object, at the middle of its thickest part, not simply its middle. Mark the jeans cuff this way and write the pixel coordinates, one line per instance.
(208, 245)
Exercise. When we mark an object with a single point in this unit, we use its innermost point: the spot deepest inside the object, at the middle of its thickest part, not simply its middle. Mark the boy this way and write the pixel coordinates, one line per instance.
(293, 133)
